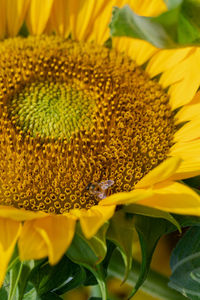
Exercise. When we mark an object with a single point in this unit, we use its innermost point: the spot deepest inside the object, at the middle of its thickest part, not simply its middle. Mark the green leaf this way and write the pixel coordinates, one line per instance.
(81, 253)
(50, 296)
(3, 293)
(191, 9)
(95, 298)
(24, 277)
(179, 26)
(173, 3)
(155, 284)
(110, 248)
(32, 294)
(121, 233)
(90, 253)
(15, 274)
(185, 264)
(149, 231)
(151, 212)
(47, 278)
(77, 279)
(127, 23)
(185, 221)
(98, 242)
(122, 223)
(90, 278)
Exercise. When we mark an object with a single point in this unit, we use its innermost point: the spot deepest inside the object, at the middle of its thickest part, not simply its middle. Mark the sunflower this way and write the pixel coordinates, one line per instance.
(84, 128)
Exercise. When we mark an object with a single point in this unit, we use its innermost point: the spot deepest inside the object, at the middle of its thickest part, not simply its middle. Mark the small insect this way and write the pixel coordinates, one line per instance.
(100, 188)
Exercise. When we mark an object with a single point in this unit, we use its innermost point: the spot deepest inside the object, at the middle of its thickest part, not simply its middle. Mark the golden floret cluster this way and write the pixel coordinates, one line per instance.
(74, 115)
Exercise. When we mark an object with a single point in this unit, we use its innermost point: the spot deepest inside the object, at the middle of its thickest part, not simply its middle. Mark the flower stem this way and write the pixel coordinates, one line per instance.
(11, 265)
(155, 285)
(14, 282)
(103, 289)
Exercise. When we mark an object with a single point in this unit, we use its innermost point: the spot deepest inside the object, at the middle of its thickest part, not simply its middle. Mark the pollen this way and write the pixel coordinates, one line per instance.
(78, 122)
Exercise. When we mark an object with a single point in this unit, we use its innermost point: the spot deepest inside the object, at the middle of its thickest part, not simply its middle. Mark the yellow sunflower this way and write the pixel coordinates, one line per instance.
(84, 128)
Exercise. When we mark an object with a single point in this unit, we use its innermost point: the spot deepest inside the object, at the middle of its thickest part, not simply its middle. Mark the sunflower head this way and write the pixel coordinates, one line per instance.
(84, 128)
(78, 122)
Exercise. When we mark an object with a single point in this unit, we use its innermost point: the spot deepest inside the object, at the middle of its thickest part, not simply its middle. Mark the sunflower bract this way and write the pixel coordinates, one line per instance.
(74, 115)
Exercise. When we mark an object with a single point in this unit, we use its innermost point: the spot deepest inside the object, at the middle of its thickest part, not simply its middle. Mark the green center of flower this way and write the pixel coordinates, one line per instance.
(51, 109)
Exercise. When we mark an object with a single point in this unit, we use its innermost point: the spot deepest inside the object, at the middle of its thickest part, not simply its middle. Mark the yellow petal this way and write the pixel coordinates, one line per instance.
(174, 197)
(99, 31)
(89, 19)
(126, 197)
(92, 219)
(187, 169)
(38, 15)
(183, 79)
(162, 172)
(144, 7)
(138, 50)
(50, 236)
(31, 244)
(189, 152)
(188, 113)
(15, 11)
(166, 59)
(81, 18)
(196, 98)
(10, 231)
(188, 132)
(59, 18)
(49, 29)
(20, 214)
(147, 8)
(2, 19)
(58, 232)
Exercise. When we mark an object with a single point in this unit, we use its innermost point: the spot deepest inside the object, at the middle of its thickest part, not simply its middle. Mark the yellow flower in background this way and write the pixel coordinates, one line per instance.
(80, 122)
